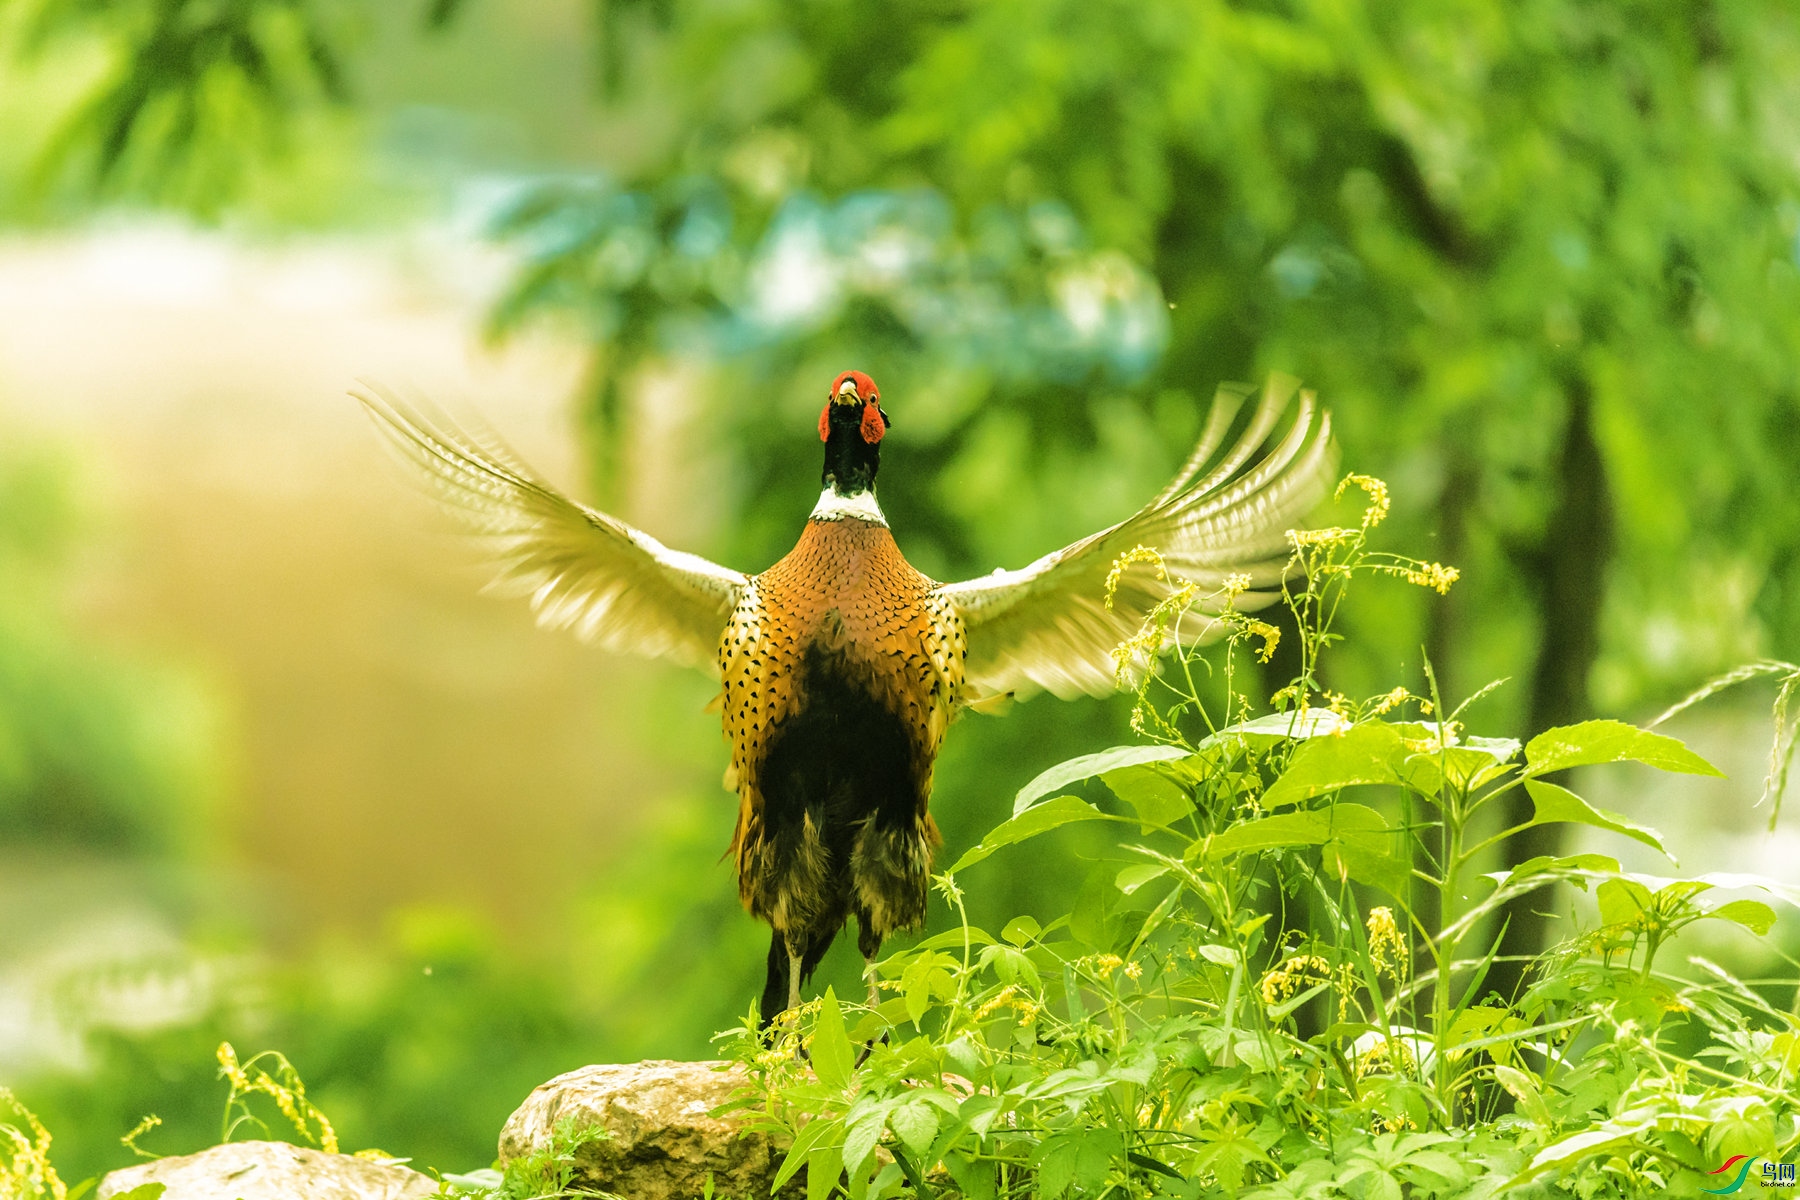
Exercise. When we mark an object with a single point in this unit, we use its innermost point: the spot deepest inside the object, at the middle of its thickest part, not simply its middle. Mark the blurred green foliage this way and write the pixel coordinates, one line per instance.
(98, 748)
(1540, 259)
(1542, 263)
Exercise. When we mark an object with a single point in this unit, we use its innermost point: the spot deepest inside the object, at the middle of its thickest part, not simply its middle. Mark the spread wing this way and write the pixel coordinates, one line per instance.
(614, 586)
(1046, 626)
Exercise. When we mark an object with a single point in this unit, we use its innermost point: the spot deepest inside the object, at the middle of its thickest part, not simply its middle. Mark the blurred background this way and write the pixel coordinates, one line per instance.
(272, 770)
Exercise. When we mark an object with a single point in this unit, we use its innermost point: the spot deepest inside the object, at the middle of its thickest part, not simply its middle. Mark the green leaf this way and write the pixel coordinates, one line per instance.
(143, 1191)
(1099, 1148)
(976, 1177)
(1087, 766)
(1010, 964)
(1579, 1146)
(1468, 765)
(1593, 742)
(1295, 726)
(915, 1123)
(1041, 818)
(1021, 929)
(816, 1132)
(1055, 1162)
(1554, 803)
(824, 1167)
(1356, 839)
(860, 1142)
(1753, 915)
(833, 1059)
(1088, 919)
(1622, 901)
(916, 987)
(1367, 753)
(1731, 880)
(1365, 864)
(1314, 827)
(1577, 868)
(1157, 799)
(1130, 879)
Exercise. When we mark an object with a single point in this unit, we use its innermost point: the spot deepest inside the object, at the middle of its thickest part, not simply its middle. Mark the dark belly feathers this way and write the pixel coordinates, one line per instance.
(839, 671)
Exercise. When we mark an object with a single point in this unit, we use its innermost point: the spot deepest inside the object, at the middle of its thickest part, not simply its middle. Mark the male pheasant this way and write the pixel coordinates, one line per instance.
(842, 665)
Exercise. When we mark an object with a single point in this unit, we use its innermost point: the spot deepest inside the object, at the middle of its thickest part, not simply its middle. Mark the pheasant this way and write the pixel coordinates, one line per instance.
(842, 666)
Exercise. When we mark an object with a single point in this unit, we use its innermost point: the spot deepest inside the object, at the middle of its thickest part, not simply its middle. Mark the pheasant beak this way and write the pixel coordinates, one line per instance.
(846, 393)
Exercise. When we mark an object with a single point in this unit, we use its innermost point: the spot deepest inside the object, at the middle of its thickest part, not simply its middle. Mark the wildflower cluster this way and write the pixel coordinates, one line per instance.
(1293, 975)
(285, 1088)
(1387, 948)
(25, 1169)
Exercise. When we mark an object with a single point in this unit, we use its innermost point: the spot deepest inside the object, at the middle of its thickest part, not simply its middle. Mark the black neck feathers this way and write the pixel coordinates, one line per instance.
(850, 461)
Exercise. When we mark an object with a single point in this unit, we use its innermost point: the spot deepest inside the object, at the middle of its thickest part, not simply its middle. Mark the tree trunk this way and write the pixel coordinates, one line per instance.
(1570, 571)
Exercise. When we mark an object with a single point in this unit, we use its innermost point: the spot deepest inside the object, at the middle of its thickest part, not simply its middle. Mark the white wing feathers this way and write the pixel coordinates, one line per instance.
(1046, 626)
(614, 586)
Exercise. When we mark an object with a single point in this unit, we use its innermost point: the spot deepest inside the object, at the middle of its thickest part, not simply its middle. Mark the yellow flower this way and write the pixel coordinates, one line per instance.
(1106, 964)
(1386, 947)
(1271, 637)
(1383, 1056)
(1121, 564)
(129, 1141)
(1392, 701)
(1133, 971)
(30, 1155)
(1378, 497)
(1009, 997)
(1302, 970)
(1331, 535)
(1003, 999)
(291, 1100)
(1435, 576)
(228, 1063)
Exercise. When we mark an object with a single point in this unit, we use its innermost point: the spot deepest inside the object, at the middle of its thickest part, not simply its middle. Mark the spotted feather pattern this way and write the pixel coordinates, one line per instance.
(846, 589)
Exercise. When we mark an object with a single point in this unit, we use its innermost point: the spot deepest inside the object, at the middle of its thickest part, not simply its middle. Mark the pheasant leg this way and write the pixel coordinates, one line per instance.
(874, 1002)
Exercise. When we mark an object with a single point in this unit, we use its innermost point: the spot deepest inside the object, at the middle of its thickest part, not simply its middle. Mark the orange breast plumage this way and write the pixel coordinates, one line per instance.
(841, 666)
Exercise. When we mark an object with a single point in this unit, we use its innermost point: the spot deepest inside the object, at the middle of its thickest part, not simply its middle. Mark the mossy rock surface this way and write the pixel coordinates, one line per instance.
(656, 1136)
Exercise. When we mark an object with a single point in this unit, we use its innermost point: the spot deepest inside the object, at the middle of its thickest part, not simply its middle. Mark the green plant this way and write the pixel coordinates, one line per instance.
(1274, 985)
(545, 1174)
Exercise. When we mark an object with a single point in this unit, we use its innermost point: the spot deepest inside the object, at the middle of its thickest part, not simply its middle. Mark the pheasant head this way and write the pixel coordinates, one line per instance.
(852, 425)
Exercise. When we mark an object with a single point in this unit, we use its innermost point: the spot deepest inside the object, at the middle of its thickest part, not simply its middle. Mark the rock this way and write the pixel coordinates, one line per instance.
(270, 1171)
(662, 1143)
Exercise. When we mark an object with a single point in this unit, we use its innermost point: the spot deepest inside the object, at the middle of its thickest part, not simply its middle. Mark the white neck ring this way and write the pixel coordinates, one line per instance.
(861, 506)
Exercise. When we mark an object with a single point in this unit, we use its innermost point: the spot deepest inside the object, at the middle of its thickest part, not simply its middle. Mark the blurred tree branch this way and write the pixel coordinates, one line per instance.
(194, 89)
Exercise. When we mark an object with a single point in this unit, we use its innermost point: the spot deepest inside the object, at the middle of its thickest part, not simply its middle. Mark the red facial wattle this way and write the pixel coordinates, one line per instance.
(874, 421)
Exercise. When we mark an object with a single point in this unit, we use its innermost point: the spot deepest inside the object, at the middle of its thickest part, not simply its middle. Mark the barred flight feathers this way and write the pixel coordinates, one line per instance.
(612, 585)
(1046, 626)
